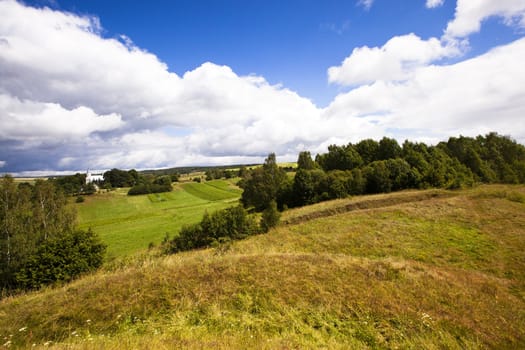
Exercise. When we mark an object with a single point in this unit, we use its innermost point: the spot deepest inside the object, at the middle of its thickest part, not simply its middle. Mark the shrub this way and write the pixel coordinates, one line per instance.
(230, 223)
(62, 259)
(270, 217)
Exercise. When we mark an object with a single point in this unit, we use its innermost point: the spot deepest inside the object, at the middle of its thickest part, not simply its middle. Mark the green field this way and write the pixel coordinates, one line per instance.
(128, 224)
(410, 270)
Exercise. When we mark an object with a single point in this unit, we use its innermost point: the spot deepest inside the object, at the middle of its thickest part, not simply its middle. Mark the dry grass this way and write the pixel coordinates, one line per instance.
(445, 272)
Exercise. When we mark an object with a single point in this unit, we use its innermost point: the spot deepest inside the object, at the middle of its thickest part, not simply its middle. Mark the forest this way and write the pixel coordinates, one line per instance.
(384, 166)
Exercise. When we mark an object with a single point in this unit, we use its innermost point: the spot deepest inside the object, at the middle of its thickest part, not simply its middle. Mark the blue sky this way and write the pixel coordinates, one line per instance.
(135, 84)
(288, 42)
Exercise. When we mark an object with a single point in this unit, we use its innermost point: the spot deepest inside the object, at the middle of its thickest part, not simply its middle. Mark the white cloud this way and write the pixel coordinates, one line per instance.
(50, 122)
(72, 99)
(367, 4)
(60, 81)
(471, 97)
(470, 14)
(50, 56)
(434, 3)
(396, 60)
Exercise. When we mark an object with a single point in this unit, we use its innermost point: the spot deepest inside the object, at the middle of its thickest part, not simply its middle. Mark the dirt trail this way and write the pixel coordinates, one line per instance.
(370, 204)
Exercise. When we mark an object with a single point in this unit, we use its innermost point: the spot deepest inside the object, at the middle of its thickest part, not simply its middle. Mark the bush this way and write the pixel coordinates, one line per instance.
(80, 199)
(62, 259)
(230, 223)
(149, 188)
(270, 217)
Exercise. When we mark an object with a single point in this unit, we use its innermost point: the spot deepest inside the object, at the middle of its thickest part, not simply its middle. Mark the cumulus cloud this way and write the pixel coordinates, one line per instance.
(470, 14)
(396, 60)
(85, 100)
(470, 97)
(71, 99)
(28, 120)
(434, 3)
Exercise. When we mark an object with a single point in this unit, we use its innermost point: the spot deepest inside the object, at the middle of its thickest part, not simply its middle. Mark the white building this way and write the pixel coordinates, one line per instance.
(93, 177)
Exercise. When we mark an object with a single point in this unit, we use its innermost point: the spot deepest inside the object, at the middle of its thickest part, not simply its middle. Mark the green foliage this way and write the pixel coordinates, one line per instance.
(381, 167)
(388, 149)
(74, 185)
(305, 161)
(149, 188)
(340, 158)
(262, 185)
(121, 178)
(61, 259)
(270, 217)
(37, 237)
(230, 223)
(368, 150)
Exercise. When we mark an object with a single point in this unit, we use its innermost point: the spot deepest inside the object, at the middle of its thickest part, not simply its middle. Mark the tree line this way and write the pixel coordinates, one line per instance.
(39, 243)
(383, 166)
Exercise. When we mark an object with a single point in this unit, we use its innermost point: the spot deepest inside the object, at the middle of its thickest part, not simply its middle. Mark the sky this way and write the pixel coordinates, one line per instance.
(163, 83)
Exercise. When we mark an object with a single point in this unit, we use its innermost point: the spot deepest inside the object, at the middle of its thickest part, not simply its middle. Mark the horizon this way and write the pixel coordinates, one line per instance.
(181, 83)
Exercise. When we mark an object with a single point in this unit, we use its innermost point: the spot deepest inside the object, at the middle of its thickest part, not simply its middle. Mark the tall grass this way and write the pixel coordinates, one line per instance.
(442, 273)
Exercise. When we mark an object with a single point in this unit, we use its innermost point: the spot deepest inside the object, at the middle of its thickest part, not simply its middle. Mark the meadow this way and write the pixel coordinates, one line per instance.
(409, 270)
(131, 224)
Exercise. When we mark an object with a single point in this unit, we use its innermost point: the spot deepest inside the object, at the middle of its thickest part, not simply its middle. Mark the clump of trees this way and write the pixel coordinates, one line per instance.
(38, 241)
(121, 178)
(148, 185)
(225, 225)
(74, 185)
(218, 173)
(228, 224)
(383, 166)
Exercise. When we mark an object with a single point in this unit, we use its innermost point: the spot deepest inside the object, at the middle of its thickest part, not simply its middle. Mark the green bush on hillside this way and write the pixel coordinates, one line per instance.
(149, 188)
(62, 259)
(231, 223)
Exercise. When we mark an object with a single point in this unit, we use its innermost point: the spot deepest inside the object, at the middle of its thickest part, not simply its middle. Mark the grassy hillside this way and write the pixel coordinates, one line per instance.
(412, 270)
(128, 224)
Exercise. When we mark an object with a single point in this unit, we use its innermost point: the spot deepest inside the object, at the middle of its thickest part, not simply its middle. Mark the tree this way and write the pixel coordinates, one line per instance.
(340, 158)
(368, 150)
(15, 229)
(305, 161)
(230, 223)
(378, 177)
(388, 149)
(306, 186)
(270, 217)
(121, 178)
(61, 259)
(263, 184)
(50, 215)
(35, 226)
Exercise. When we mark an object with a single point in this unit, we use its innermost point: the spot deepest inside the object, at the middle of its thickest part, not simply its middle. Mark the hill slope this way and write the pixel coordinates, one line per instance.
(128, 224)
(447, 271)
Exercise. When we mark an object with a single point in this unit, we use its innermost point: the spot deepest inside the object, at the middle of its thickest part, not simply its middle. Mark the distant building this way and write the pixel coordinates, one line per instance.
(93, 177)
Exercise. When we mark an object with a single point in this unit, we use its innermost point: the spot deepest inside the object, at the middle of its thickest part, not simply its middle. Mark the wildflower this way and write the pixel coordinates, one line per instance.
(7, 344)
(88, 321)
(22, 329)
